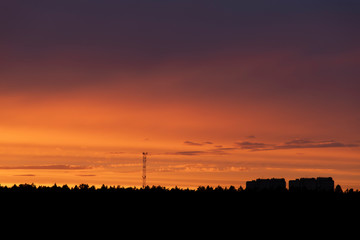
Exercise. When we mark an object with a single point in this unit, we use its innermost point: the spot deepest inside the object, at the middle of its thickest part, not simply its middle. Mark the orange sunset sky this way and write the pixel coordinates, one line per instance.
(218, 92)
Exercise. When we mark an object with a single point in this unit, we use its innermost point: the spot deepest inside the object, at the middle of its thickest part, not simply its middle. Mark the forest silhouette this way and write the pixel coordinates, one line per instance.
(203, 194)
(201, 190)
(228, 206)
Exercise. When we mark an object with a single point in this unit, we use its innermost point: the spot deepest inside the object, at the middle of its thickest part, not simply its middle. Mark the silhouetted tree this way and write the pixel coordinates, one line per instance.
(176, 189)
(84, 187)
(347, 191)
(219, 189)
(209, 189)
(338, 189)
(232, 189)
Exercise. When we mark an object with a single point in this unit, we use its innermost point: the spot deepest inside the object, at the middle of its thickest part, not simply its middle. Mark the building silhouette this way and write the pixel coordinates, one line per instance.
(273, 184)
(320, 184)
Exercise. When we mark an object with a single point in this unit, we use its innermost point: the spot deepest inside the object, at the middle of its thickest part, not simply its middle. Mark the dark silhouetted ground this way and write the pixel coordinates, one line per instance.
(204, 210)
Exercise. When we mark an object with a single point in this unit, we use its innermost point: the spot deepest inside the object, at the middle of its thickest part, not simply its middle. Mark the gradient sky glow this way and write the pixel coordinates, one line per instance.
(219, 92)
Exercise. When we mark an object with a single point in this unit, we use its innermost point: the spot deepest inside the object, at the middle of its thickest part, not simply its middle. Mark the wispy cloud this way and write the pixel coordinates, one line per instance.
(261, 146)
(221, 150)
(302, 143)
(187, 153)
(49, 167)
(254, 146)
(191, 143)
(293, 144)
(200, 167)
(217, 150)
(25, 175)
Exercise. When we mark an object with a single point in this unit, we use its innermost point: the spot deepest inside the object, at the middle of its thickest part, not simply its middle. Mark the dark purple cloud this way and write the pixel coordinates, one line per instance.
(193, 143)
(301, 143)
(216, 150)
(299, 57)
(254, 145)
(61, 45)
(260, 146)
(293, 144)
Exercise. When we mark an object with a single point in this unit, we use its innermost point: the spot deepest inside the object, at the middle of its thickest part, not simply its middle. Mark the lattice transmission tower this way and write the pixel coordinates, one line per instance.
(144, 169)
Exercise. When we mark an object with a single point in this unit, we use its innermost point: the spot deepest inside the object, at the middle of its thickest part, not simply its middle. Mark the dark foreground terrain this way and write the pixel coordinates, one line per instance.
(160, 199)
(206, 209)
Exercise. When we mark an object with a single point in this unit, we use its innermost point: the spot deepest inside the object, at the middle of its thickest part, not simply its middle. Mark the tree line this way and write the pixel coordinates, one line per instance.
(153, 189)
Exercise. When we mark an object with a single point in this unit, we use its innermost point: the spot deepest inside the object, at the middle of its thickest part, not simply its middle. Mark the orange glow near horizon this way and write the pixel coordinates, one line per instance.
(85, 139)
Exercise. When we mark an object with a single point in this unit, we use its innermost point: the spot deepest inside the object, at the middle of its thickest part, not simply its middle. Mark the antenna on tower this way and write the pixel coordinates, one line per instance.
(144, 169)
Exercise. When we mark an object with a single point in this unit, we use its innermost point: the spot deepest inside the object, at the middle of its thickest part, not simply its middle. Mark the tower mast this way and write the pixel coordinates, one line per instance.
(144, 169)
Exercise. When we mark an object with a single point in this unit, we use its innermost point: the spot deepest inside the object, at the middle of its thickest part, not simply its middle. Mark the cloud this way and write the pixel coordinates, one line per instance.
(200, 167)
(86, 175)
(50, 167)
(25, 175)
(188, 153)
(293, 144)
(216, 150)
(302, 143)
(221, 150)
(191, 143)
(254, 146)
(299, 141)
(260, 146)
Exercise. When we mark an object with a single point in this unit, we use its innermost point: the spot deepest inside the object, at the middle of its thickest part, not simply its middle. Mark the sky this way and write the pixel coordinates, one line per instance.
(218, 92)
